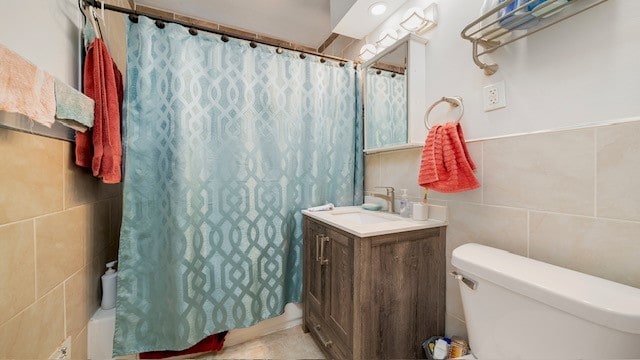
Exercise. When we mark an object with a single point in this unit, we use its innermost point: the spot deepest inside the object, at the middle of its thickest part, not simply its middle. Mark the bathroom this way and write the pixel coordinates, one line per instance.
(556, 166)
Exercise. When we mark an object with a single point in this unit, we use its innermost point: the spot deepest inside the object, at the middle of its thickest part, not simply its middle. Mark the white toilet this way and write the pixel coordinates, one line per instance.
(519, 308)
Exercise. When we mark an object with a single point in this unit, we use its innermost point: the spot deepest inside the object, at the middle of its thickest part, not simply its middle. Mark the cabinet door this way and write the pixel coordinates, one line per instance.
(407, 297)
(314, 272)
(339, 287)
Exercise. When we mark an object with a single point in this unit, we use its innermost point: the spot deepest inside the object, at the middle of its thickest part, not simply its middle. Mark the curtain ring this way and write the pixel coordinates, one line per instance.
(224, 38)
(160, 24)
(455, 101)
(253, 44)
(133, 18)
(193, 31)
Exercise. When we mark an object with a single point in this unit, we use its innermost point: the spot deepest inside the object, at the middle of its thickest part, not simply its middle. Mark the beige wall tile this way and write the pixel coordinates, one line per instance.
(80, 298)
(30, 175)
(80, 187)
(371, 171)
(17, 268)
(603, 248)
(618, 152)
(79, 346)
(453, 297)
(115, 220)
(454, 327)
(36, 332)
(60, 246)
(552, 171)
(475, 152)
(99, 229)
(400, 170)
(502, 228)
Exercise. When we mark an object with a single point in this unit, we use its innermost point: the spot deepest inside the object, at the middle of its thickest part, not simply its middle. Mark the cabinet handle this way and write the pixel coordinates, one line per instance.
(325, 342)
(323, 261)
(318, 255)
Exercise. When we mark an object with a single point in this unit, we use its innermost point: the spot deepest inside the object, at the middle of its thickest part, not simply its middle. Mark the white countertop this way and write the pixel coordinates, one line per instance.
(396, 223)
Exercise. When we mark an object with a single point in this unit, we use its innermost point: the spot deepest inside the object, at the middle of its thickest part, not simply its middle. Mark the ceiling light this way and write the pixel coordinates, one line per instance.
(418, 21)
(378, 8)
(367, 52)
(387, 38)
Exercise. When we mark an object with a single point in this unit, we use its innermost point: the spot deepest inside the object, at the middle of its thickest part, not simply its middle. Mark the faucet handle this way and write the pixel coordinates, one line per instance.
(390, 189)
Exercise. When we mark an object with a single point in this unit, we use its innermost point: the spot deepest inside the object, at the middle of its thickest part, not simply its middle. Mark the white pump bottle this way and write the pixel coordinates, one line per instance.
(109, 287)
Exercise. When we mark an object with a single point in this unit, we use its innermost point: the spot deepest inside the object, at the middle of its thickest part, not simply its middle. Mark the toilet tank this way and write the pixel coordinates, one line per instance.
(526, 309)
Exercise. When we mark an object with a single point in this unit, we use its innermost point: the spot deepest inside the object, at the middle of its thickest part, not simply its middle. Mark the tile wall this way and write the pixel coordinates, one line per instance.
(58, 227)
(569, 198)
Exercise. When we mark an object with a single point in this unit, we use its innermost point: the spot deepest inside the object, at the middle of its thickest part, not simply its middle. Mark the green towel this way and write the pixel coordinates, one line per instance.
(73, 109)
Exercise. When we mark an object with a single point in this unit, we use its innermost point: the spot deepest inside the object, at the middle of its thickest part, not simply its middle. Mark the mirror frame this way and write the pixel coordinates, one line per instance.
(416, 86)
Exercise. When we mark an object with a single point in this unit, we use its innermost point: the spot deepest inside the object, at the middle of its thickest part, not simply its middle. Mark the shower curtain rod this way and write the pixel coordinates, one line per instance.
(98, 4)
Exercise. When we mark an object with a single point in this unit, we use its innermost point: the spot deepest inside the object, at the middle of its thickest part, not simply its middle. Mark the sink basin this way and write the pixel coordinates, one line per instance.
(362, 218)
(365, 223)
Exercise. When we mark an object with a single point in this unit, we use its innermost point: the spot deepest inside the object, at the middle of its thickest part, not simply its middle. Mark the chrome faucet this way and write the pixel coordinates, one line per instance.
(390, 197)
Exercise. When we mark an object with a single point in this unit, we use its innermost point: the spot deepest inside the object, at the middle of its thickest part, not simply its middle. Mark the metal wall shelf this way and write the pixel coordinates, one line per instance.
(491, 31)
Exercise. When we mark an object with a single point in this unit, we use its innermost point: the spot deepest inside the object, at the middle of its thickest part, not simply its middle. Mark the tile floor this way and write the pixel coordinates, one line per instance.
(286, 344)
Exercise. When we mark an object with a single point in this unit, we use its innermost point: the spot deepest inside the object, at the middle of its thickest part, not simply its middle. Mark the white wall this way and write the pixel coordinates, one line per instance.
(564, 197)
(45, 32)
(581, 71)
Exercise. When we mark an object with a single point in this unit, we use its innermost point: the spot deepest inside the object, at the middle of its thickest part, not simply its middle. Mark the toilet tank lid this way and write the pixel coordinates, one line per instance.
(595, 299)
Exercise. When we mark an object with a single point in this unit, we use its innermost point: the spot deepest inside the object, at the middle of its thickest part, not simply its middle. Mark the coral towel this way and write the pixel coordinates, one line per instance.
(25, 89)
(446, 166)
(101, 147)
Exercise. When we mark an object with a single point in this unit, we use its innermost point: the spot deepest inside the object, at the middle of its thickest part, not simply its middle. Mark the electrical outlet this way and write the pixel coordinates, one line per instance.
(494, 96)
(63, 352)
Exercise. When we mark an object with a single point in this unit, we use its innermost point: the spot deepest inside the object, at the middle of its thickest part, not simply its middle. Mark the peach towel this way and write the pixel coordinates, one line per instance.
(446, 165)
(25, 89)
(101, 147)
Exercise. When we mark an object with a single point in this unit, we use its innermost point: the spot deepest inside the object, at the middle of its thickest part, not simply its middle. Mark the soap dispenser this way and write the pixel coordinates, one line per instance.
(109, 287)
(405, 211)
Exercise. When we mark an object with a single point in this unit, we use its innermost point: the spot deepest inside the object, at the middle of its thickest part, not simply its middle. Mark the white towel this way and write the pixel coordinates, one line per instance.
(25, 89)
(325, 207)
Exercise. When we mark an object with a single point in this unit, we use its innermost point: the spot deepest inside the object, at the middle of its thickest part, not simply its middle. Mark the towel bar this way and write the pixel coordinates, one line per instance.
(455, 101)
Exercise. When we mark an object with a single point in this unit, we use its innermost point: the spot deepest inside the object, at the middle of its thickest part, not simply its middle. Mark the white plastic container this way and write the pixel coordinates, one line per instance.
(420, 212)
(109, 287)
(405, 209)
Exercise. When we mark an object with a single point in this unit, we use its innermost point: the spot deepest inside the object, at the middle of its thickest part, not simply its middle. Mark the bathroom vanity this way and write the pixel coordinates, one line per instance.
(374, 283)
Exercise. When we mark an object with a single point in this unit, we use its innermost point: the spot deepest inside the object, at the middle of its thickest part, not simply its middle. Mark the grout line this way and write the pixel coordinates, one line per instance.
(30, 305)
(595, 172)
(64, 307)
(64, 202)
(528, 233)
(482, 174)
(455, 317)
(608, 122)
(35, 261)
(56, 212)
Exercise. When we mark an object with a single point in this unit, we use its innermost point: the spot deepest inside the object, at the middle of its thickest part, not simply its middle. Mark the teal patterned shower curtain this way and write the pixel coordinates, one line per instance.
(224, 145)
(386, 108)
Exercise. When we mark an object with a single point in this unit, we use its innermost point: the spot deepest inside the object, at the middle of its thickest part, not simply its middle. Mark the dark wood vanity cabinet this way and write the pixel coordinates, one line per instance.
(375, 297)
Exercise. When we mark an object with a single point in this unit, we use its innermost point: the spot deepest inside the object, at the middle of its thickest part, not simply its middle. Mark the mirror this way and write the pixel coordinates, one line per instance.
(385, 101)
(394, 96)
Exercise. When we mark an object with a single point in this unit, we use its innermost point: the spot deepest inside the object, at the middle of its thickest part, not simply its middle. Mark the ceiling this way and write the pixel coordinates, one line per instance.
(303, 22)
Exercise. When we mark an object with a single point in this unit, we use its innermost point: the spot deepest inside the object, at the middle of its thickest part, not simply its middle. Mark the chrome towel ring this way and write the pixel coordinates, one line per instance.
(455, 101)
